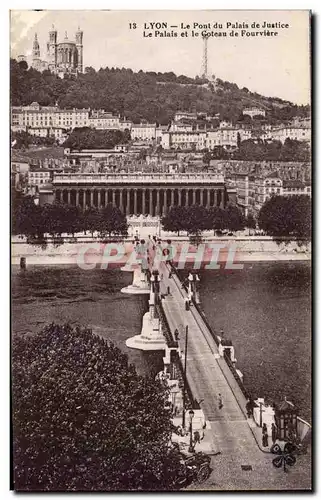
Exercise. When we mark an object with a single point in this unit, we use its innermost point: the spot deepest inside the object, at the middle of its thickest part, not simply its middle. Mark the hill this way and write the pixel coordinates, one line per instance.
(144, 95)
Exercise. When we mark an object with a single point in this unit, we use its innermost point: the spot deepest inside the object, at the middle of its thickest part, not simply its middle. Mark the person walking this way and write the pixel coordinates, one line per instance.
(249, 408)
(265, 439)
(274, 433)
(220, 401)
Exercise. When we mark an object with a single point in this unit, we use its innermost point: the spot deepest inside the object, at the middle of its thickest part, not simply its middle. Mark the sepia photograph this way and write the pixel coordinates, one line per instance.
(161, 224)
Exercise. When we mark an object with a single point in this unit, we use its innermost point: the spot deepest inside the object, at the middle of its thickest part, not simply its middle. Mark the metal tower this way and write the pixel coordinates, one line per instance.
(204, 63)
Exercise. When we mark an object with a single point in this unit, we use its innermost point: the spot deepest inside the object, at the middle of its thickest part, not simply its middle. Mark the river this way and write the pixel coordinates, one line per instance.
(264, 309)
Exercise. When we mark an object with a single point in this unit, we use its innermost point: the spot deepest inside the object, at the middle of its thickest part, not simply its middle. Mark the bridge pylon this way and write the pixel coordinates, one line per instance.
(151, 337)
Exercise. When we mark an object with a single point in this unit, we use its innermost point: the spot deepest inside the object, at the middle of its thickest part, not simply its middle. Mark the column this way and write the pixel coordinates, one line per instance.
(114, 197)
(121, 204)
(172, 197)
(208, 203)
(215, 198)
(91, 197)
(194, 196)
(201, 197)
(179, 197)
(98, 198)
(135, 201)
(144, 201)
(157, 202)
(165, 202)
(186, 197)
(69, 196)
(222, 198)
(151, 211)
(128, 202)
(77, 197)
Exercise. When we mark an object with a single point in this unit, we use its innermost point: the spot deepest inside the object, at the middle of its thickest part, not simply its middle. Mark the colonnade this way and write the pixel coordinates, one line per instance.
(152, 201)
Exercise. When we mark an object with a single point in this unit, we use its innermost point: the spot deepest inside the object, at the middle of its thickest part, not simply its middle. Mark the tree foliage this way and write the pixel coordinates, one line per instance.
(194, 219)
(287, 216)
(88, 138)
(258, 150)
(142, 95)
(83, 419)
(55, 219)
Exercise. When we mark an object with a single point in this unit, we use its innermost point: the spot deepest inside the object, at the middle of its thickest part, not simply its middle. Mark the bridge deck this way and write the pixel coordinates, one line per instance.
(208, 375)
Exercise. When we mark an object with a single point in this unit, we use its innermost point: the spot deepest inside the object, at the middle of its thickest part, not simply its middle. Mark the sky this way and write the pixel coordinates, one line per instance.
(277, 66)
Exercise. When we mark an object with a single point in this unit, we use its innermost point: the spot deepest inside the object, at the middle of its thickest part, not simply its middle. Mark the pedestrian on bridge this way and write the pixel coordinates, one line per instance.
(220, 401)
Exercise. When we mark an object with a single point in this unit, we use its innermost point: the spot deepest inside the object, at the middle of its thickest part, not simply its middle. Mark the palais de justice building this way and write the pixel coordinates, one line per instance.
(153, 194)
(65, 57)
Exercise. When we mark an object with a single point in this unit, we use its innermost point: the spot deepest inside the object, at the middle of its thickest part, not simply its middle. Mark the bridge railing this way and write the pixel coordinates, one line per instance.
(236, 376)
(215, 338)
(171, 342)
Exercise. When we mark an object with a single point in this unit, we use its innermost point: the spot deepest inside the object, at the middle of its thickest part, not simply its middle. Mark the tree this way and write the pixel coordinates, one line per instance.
(92, 220)
(207, 158)
(196, 219)
(28, 219)
(287, 216)
(250, 221)
(112, 221)
(174, 220)
(235, 218)
(83, 419)
(217, 219)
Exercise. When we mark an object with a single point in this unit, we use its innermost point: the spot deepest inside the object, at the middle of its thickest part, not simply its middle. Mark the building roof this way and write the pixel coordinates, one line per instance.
(293, 184)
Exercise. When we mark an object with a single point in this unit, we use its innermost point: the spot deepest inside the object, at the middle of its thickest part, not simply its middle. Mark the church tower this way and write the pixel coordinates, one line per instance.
(52, 49)
(79, 45)
(36, 62)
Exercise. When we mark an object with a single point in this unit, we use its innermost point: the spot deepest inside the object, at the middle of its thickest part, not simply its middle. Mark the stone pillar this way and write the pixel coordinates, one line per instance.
(186, 197)
(144, 201)
(98, 198)
(157, 202)
(77, 197)
(202, 197)
(179, 197)
(114, 197)
(135, 201)
(121, 200)
(208, 203)
(215, 198)
(222, 198)
(194, 196)
(165, 202)
(172, 197)
(91, 197)
(151, 211)
(69, 196)
(128, 202)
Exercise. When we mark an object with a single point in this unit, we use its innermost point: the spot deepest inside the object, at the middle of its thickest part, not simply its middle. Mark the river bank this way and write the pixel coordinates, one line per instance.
(93, 251)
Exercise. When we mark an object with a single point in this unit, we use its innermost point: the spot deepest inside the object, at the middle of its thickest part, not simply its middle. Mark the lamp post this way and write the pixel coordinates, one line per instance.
(184, 386)
(191, 416)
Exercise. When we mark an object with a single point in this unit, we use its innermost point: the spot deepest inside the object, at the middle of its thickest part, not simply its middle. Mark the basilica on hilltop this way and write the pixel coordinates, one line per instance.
(65, 57)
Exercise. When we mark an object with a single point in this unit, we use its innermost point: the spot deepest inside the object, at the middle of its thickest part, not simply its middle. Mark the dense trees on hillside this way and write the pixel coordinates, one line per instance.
(258, 150)
(84, 420)
(287, 216)
(272, 151)
(143, 95)
(87, 138)
(22, 140)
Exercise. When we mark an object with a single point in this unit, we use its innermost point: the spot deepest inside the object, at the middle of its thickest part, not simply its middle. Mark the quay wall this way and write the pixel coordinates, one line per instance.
(258, 248)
